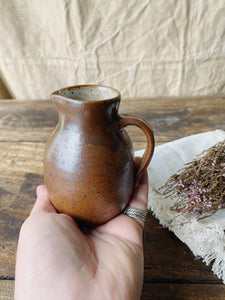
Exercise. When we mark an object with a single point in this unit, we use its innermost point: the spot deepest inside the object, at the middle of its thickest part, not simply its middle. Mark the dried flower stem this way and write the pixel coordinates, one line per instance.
(199, 188)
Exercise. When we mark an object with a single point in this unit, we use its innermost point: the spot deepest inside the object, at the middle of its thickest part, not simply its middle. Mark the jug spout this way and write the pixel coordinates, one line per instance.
(87, 101)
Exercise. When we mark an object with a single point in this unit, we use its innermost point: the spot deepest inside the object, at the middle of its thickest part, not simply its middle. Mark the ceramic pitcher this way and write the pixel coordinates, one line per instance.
(89, 165)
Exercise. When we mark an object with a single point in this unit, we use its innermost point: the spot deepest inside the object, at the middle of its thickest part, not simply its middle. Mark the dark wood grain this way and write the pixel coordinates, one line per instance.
(182, 291)
(167, 259)
(170, 118)
(171, 271)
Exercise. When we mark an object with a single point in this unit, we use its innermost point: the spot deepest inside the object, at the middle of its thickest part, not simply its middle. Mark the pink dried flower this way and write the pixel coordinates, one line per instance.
(200, 188)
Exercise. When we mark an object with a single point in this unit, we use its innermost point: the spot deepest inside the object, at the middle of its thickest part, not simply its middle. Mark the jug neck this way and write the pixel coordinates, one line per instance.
(88, 112)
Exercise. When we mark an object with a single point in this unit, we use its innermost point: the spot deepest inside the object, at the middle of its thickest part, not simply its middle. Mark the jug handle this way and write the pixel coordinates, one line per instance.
(126, 120)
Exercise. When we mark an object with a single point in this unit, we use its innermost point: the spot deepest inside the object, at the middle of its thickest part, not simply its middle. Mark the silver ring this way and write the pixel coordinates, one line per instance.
(135, 213)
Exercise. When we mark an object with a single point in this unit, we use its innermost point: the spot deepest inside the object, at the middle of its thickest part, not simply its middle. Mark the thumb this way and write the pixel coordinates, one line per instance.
(42, 203)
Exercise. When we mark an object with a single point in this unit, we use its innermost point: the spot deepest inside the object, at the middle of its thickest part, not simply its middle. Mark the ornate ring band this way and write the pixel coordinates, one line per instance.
(135, 213)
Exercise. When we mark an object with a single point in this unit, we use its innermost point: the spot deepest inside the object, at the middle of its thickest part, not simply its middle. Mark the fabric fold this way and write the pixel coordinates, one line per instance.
(205, 238)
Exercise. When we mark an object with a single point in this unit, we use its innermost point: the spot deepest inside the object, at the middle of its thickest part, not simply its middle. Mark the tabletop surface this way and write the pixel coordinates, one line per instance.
(171, 270)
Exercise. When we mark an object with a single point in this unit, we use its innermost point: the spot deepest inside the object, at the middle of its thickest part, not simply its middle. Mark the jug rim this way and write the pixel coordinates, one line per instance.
(116, 97)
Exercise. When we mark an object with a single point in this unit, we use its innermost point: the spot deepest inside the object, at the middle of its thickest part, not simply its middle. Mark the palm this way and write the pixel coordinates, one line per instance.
(101, 263)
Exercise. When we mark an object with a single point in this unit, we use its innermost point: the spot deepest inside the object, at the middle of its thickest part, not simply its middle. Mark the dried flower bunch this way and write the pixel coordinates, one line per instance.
(199, 188)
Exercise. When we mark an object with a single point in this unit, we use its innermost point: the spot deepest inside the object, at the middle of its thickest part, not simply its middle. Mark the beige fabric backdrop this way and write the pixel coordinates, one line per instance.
(141, 47)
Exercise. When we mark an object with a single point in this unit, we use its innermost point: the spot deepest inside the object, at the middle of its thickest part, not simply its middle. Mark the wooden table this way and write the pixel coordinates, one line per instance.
(171, 271)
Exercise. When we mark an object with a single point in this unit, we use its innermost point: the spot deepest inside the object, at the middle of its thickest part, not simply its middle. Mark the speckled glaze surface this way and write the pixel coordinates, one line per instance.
(89, 166)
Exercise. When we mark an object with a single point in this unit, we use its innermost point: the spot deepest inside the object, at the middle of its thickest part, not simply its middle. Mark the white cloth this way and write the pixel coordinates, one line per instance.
(205, 238)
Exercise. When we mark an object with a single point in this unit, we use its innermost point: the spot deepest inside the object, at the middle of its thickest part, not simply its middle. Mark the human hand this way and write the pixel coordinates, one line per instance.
(57, 260)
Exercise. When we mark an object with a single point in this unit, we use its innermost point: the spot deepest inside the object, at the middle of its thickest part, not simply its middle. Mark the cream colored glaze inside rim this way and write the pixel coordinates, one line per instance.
(89, 93)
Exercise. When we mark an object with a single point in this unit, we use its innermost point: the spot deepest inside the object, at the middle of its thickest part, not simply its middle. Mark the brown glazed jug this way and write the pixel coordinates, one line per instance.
(89, 165)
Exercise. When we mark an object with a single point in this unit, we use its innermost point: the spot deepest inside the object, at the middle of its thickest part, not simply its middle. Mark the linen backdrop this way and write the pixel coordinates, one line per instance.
(141, 47)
